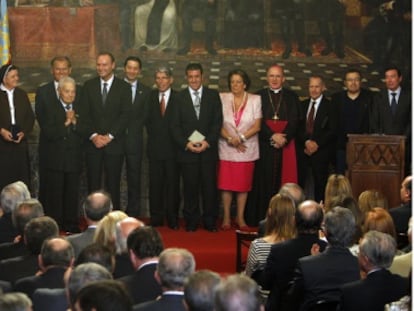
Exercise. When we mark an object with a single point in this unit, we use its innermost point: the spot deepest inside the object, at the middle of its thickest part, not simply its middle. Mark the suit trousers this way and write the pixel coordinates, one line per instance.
(133, 172)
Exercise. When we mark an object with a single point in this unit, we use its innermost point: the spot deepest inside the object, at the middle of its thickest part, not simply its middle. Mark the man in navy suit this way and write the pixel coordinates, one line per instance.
(103, 118)
(164, 183)
(195, 126)
(134, 136)
(174, 267)
(316, 140)
(376, 253)
(144, 245)
(392, 111)
(47, 95)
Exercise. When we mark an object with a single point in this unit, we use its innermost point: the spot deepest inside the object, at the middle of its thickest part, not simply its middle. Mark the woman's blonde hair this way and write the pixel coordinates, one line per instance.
(369, 199)
(281, 218)
(337, 189)
(106, 229)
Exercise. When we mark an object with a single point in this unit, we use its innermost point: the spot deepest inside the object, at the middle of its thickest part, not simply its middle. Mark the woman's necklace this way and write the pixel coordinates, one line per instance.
(275, 109)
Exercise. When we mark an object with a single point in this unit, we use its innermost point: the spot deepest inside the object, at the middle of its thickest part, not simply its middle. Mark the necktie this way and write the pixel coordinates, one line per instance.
(68, 107)
(197, 103)
(393, 103)
(104, 93)
(310, 120)
(162, 104)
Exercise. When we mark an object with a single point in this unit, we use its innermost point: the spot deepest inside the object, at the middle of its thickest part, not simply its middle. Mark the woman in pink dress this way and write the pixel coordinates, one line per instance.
(238, 145)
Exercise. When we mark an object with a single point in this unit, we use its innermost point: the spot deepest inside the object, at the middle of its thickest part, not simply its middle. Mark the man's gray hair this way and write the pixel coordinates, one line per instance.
(15, 302)
(379, 248)
(339, 226)
(13, 194)
(164, 69)
(66, 80)
(84, 274)
(238, 293)
(175, 265)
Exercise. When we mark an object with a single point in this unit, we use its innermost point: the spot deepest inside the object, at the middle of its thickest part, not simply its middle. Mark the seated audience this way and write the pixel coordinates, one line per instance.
(402, 264)
(369, 199)
(175, 265)
(199, 290)
(106, 229)
(238, 293)
(379, 219)
(280, 226)
(376, 253)
(144, 245)
(22, 214)
(291, 190)
(123, 228)
(98, 254)
(402, 213)
(55, 257)
(319, 277)
(97, 205)
(105, 295)
(82, 275)
(10, 196)
(15, 302)
(282, 259)
(36, 232)
(337, 188)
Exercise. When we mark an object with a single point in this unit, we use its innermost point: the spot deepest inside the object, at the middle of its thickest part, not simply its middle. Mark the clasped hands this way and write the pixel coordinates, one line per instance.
(310, 147)
(197, 147)
(7, 136)
(237, 143)
(70, 118)
(278, 140)
(101, 141)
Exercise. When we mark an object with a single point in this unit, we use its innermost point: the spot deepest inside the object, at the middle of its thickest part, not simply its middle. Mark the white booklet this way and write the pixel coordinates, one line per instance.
(196, 137)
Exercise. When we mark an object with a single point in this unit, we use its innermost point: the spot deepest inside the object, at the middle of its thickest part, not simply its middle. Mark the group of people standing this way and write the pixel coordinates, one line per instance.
(236, 142)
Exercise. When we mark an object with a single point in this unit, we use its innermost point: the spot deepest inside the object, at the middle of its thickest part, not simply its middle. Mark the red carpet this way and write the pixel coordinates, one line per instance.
(215, 251)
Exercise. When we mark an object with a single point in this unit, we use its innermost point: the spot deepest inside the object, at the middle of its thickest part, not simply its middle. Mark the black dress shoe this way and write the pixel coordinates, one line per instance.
(326, 51)
(173, 226)
(183, 51)
(286, 53)
(190, 229)
(211, 228)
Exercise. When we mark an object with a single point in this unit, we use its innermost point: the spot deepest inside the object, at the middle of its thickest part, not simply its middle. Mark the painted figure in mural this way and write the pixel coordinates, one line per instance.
(16, 122)
(238, 144)
(134, 136)
(277, 163)
(155, 26)
(205, 9)
(292, 25)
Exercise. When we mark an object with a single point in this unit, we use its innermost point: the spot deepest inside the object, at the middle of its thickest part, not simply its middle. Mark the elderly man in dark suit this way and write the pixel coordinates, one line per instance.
(47, 95)
(63, 157)
(402, 213)
(134, 136)
(164, 181)
(195, 126)
(103, 118)
(95, 207)
(174, 267)
(145, 246)
(283, 257)
(392, 111)
(316, 138)
(380, 287)
(319, 277)
(55, 257)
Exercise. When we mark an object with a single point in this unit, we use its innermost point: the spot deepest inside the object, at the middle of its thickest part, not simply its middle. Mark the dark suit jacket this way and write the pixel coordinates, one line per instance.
(50, 299)
(63, 144)
(142, 285)
(123, 266)
(81, 240)
(7, 231)
(320, 277)
(113, 118)
(168, 302)
(281, 263)
(51, 278)
(134, 137)
(401, 215)
(185, 122)
(379, 288)
(10, 250)
(16, 268)
(384, 122)
(160, 143)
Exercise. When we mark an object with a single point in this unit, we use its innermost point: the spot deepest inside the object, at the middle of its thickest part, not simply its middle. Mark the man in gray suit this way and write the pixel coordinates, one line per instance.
(96, 206)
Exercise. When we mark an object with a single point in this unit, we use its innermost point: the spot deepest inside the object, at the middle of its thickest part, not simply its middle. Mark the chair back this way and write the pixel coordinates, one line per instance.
(243, 240)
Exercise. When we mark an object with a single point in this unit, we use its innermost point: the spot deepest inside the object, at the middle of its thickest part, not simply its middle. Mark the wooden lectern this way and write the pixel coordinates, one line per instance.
(376, 162)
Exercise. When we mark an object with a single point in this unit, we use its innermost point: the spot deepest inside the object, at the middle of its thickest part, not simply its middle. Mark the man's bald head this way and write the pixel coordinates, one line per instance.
(97, 205)
(309, 217)
(123, 229)
(56, 252)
